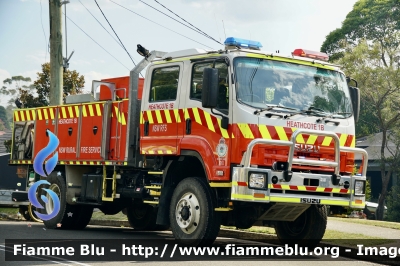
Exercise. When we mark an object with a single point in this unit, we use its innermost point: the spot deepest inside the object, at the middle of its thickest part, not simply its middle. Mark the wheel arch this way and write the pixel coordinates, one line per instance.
(189, 164)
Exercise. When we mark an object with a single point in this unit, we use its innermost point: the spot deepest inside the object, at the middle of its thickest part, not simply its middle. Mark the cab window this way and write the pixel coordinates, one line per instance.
(164, 84)
(197, 79)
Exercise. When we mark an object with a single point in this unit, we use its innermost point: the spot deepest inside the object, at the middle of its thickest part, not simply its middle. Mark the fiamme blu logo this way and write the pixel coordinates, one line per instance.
(51, 163)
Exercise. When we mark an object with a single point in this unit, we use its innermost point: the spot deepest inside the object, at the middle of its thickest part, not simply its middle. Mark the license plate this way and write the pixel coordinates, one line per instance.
(310, 201)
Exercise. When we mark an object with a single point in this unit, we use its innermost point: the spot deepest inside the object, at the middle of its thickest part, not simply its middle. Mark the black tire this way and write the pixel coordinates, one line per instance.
(23, 210)
(192, 217)
(64, 219)
(142, 217)
(307, 230)
(82, 216)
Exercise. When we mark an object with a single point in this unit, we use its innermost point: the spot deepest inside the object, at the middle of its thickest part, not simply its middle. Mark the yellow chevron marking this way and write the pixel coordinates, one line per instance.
(210, 124)
(160, 152)
(327, 141)
(300, 138)
(177, 116)
(223, 130)
(91, 163)
(281, 133)
(51, 113)
(22, 115)
(151, 152)
(169, 152)
(158, 115)
(141, 117)
(98, 109)
(70, 112)
(63, 112)
(91, 112)
(343, 139)
(246, 132)
(123, 121)
(286, 187)
(353, 142)
(197, 116)
(149, 116)
(28, 116)
(84, 162)
(264, 132)
(232, 136)
(312, 139)
(167, 116)
(186, 113)
(16, 116)
(77, 110)
(40, 114)
(84, 113)
(46, 116)
(117, 113)
(33, 114)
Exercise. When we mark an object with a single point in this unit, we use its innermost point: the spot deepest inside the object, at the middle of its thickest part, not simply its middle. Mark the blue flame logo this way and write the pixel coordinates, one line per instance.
(49, 166)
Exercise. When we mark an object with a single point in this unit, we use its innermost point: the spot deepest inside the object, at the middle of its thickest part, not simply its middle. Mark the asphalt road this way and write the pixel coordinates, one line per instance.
(35, 232)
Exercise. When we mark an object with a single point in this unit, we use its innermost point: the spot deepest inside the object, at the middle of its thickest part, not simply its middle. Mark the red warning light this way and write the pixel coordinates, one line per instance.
(311, 54)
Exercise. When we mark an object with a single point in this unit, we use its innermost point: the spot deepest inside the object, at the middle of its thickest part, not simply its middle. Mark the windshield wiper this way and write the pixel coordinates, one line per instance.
(272, 107)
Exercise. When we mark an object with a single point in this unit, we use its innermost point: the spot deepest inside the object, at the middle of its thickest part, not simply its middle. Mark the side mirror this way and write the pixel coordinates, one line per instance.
(209, 95)
(355, 100)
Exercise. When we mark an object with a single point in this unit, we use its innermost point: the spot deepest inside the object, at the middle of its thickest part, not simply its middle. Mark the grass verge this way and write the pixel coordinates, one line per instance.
(385, 224)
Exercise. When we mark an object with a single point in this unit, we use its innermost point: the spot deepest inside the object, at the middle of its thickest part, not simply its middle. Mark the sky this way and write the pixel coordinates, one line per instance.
(282, 25)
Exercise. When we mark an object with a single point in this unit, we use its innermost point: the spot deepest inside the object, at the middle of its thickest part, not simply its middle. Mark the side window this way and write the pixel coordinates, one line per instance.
(164, 84)
(197, 79)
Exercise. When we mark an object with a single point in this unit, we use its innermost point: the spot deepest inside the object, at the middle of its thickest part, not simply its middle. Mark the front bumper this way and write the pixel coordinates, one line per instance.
(285, 186)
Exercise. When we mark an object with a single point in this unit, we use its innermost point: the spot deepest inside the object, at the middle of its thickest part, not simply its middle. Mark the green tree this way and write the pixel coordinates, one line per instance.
(373, 20)
(367, 45)
(381, 89)
(393, 204)
(3, 117)
(73, 83)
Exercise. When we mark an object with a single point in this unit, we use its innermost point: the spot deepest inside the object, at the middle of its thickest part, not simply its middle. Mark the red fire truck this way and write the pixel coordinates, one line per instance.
(234, 137)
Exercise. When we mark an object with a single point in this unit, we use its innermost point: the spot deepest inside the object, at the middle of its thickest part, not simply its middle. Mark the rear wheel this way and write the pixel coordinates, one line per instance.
(307, 230)
(142, 216)
(64, 219)
(192, 216)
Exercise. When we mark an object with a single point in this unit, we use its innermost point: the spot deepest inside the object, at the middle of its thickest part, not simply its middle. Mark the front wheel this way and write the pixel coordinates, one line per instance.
(307, 230)
(192, 217)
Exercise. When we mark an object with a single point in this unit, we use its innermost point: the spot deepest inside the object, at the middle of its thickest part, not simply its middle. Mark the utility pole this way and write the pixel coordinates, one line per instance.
(56, 57)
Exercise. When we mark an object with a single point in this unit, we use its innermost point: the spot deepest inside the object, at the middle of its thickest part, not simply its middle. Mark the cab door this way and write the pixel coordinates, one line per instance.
(159, 117)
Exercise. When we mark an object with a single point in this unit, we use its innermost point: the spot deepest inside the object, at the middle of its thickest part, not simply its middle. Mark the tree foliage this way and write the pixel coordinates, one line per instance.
(368, 47)
(373, 20)
(73, 83)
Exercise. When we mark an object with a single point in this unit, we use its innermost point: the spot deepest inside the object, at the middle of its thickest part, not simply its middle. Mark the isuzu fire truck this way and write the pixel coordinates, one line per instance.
(234, 137)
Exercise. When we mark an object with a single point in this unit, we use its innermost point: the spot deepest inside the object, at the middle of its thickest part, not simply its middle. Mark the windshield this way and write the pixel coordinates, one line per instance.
(261, 83)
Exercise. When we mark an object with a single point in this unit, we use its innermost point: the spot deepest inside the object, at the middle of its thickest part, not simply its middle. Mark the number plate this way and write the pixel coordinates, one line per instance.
(310, 201)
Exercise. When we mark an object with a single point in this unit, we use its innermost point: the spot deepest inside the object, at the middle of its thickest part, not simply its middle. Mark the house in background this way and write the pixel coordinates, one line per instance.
(372, 144)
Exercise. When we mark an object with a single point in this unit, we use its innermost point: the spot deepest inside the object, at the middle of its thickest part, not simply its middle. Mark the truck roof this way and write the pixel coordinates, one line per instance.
(195, 52)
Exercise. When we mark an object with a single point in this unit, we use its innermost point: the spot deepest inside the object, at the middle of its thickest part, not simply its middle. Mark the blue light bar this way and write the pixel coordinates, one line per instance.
(232, 41)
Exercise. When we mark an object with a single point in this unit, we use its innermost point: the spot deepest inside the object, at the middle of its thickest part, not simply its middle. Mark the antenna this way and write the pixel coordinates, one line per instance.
(224, 28)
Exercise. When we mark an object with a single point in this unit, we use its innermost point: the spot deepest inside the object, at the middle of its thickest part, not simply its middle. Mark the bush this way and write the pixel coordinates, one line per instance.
(393, 204)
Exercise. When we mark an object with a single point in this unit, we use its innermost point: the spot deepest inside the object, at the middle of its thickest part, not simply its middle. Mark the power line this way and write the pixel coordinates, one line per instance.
(205, 34)
(160, 25)
(176, 20)
(96, 42)
(101, 24)
(114, 32)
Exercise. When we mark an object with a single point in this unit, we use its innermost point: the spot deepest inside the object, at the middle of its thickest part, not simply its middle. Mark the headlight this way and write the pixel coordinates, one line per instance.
(257, 180)
(359, 188)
